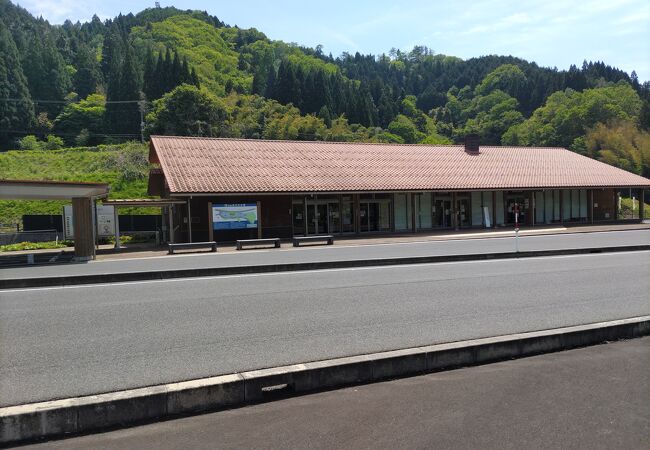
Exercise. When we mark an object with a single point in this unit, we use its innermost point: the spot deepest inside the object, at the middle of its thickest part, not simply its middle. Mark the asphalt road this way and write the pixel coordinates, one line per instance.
(338, 253)
(79, 340)
(592, 398)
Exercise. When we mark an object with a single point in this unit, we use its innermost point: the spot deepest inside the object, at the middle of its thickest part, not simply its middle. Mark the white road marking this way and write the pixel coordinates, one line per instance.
(296, 272)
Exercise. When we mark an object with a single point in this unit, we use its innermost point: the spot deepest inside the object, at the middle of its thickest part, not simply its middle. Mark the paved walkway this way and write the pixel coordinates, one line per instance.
(107, 251)
(592, 398)
(349, 250)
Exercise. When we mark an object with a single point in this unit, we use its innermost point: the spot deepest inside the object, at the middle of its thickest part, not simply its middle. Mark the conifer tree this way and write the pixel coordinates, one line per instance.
(19, 114)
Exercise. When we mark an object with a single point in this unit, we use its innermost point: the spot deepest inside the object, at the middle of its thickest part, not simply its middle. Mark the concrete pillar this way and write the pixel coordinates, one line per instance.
(84, 233)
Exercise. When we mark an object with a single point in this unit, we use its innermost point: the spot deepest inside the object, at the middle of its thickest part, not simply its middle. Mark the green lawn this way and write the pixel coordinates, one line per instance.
(124, 167)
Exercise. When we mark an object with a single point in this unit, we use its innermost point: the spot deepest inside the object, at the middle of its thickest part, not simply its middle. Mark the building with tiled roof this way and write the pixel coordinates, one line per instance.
(305, 188)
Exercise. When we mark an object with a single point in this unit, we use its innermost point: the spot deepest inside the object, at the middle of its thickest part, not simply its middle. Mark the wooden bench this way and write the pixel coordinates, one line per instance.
(327, 239)
(257, 242)
(192, 245)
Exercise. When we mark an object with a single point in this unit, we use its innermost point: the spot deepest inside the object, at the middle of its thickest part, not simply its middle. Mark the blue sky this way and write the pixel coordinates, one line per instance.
(553, 33)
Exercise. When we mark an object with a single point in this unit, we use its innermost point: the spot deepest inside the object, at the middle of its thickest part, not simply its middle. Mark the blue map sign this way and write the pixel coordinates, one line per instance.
(234, 216)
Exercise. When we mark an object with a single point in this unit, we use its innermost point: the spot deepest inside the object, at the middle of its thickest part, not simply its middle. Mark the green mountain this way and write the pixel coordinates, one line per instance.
(187, 72)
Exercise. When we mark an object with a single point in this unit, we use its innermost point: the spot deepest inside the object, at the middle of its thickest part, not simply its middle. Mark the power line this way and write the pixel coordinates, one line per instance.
(69, 134)
(22, 100)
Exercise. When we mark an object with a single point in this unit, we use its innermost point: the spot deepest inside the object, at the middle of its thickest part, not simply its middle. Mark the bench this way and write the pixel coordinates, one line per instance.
(192, 245)
(256, 242)
(327, 239)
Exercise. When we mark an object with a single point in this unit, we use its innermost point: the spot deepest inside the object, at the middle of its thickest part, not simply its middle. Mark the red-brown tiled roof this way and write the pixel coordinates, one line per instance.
(195, 165)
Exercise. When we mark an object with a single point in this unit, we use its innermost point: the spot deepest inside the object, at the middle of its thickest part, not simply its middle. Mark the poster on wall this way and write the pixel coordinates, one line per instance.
(105, 221)
(234, 216)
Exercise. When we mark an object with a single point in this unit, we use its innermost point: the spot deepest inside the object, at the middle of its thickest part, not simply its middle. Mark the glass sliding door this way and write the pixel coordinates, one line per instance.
(441, 211)
(317, 218)
(347, 214)
(463, 210)
(423, 211)
(298, 213)
(374, 215)
(334, 218)
(402, 209)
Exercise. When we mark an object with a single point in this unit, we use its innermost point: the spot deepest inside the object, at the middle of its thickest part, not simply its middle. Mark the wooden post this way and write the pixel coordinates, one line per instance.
(210, 225)
(590, 210)
(641, 203)
(84, 235)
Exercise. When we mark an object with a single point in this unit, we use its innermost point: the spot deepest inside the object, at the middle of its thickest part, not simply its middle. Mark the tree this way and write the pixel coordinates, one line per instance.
(88, 75)
(187, 111)
(507, 78)
(123, 92)
(568, 114)
(86, 115)
(18, 114)
(621, 144)
(404, 128)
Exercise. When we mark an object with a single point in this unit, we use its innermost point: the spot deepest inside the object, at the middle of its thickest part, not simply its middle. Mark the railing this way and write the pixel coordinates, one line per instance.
(30, 236)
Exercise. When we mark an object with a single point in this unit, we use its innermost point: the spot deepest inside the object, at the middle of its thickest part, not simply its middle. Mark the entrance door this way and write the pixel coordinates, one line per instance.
(520, 200)
(442, 213)
(464, 212)
(334, 218)
(316, 218)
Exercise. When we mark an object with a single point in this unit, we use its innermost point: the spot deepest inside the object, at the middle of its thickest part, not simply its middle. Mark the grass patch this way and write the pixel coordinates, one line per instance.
(124, 167)
(34, 246)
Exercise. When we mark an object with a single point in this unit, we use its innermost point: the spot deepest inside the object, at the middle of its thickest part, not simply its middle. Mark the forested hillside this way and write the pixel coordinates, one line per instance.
(169, 71)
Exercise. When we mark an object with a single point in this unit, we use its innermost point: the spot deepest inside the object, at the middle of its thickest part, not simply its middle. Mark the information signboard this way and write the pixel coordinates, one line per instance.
(227, 216)
(105, 221)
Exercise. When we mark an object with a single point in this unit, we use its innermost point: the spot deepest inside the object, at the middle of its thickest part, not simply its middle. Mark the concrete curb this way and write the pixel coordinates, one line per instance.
(19, 283)
(91, 413)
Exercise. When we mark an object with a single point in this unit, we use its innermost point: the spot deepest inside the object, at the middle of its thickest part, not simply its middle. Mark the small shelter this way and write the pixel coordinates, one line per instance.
(82, 195)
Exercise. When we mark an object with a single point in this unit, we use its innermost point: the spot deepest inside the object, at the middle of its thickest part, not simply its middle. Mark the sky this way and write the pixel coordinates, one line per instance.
(553, 33)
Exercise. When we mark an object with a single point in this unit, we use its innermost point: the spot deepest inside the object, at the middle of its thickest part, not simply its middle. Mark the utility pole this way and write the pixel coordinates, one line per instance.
(141, 104)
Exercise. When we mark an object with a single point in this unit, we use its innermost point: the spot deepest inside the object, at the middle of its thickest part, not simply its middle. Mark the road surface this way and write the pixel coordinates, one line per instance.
(79, 340)
(595, 398)
(338, 253)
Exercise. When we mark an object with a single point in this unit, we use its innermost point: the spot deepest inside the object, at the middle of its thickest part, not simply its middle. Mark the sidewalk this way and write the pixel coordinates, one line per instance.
(107, 252)
(592, 398)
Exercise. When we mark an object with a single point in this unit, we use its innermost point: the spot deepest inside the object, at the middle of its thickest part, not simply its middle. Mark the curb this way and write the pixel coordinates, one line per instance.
(117, 409)
(18, 283)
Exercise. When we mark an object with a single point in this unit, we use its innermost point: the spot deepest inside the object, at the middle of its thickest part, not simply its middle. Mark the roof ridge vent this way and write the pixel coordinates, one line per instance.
(472, 143)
